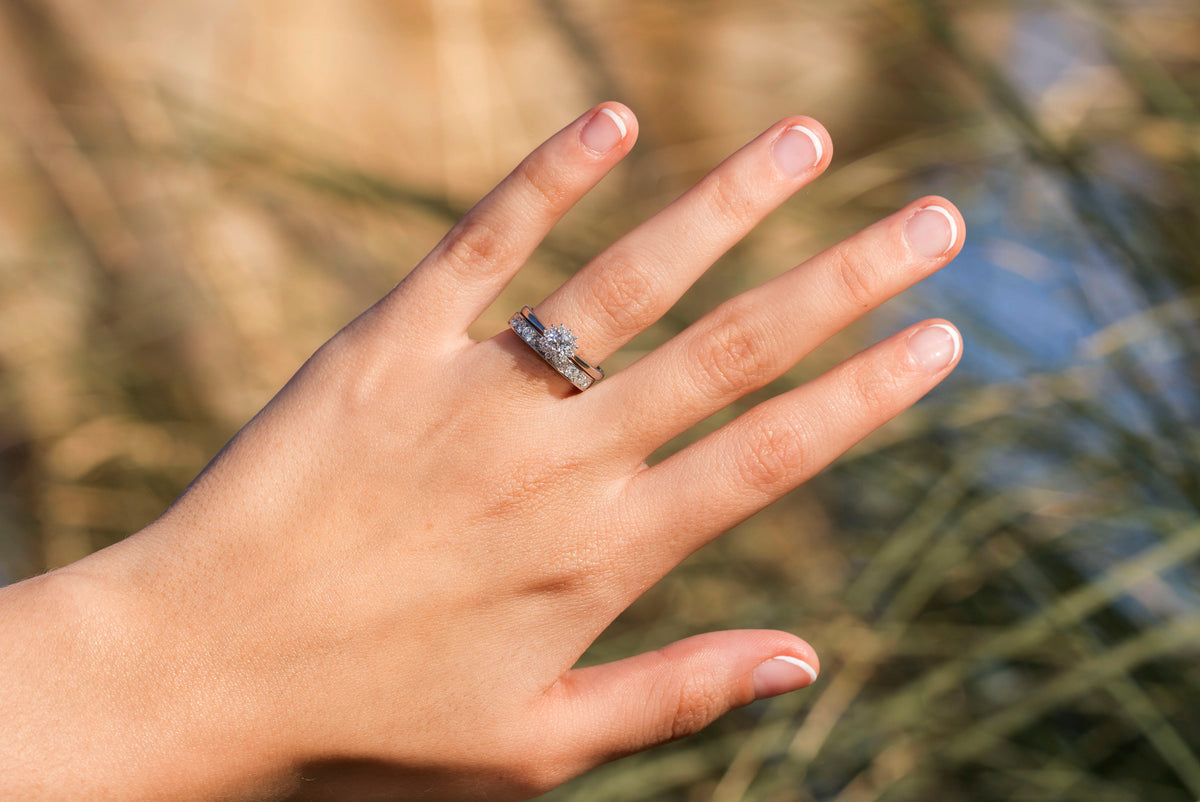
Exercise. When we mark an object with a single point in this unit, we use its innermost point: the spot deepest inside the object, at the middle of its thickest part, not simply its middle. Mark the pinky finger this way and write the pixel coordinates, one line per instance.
(731, 474)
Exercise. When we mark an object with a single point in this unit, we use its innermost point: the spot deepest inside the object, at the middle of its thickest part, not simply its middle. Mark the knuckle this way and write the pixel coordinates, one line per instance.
(357, 373)
(730, 200)
(696, 705)
(532, 487)
(874, 391)
(733, 357)
(857, 278)
(474, 248)
(626, 293)
(775, 454)
(572, 574)
(543, 184)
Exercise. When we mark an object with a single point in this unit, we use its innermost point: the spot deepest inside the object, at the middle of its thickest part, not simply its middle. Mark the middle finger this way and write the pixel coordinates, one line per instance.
(752, 339)
(638, 278)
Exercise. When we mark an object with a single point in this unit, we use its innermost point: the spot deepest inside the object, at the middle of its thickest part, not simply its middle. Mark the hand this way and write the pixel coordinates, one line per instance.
(380, 587)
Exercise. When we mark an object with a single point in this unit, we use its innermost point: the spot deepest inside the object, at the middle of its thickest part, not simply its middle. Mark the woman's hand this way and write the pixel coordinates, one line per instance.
(380, 587)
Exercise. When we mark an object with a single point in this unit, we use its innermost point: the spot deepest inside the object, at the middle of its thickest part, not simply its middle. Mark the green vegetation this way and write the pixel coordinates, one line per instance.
(1002, 585)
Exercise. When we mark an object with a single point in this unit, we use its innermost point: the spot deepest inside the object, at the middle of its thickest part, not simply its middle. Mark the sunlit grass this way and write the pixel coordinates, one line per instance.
(1001, 584)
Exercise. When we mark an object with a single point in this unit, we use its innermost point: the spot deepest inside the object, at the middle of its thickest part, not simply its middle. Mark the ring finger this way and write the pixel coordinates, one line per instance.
(638, 278)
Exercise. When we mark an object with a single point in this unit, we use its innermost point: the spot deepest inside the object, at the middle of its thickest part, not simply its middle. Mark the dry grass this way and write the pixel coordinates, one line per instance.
(1002, 584)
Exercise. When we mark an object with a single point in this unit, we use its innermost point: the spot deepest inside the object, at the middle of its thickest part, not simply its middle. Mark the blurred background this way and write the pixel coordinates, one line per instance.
(1002, 584)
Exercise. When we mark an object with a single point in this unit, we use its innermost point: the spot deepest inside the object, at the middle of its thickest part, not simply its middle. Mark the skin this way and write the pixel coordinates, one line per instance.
(380, 587)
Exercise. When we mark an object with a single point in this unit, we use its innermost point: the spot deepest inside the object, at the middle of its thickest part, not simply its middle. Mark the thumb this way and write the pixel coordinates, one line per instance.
(619, 708)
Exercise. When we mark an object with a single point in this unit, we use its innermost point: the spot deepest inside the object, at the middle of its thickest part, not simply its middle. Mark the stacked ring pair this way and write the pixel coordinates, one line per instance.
(556, 345)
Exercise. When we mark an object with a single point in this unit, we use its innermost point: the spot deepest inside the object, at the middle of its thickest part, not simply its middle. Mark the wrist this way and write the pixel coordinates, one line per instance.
(106, 697)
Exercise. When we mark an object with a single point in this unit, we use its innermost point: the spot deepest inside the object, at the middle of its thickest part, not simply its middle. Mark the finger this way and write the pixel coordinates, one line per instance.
(616, 709)
(480, 255)
(637, 279)
(722, 479)
(754, 338)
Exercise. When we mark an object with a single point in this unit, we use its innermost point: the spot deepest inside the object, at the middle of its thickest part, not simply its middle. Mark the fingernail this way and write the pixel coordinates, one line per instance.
(798, 150)
(781, 675)
(604, 131)
(931, 231)
(935, 347)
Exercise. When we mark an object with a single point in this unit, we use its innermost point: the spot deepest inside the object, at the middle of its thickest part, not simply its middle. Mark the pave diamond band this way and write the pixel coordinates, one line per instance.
(556, 345)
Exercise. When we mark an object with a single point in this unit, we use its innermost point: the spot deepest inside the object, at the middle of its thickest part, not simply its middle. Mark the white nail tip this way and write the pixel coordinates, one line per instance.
(796, 661)
(616, 118)
(818, 146)
(954, 335)
(950, 218)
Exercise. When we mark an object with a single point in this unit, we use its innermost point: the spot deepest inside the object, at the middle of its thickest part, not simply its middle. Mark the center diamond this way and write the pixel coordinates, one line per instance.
(559, 341)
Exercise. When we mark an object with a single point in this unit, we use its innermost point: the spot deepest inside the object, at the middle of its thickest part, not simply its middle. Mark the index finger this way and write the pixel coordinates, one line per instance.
(465, 272)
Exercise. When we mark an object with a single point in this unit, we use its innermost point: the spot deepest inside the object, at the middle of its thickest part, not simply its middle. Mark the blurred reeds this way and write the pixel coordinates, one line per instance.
(1002, 584)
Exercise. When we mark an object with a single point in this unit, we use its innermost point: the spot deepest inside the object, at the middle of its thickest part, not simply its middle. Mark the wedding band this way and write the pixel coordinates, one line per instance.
(556, 345)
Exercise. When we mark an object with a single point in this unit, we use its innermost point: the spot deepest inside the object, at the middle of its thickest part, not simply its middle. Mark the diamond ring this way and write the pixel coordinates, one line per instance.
(556, 345)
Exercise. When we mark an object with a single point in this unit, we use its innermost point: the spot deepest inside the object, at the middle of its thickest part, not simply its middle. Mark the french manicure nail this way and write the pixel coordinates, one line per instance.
(604, 131)
(798, 150)
(935, 347)
(932, 231)
(782, 674)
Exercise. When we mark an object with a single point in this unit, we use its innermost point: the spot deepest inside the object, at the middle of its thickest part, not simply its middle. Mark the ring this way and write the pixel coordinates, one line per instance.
(556, 345)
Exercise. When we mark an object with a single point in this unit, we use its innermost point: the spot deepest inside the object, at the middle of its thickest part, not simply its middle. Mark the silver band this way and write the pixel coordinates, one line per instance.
(556, 345)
